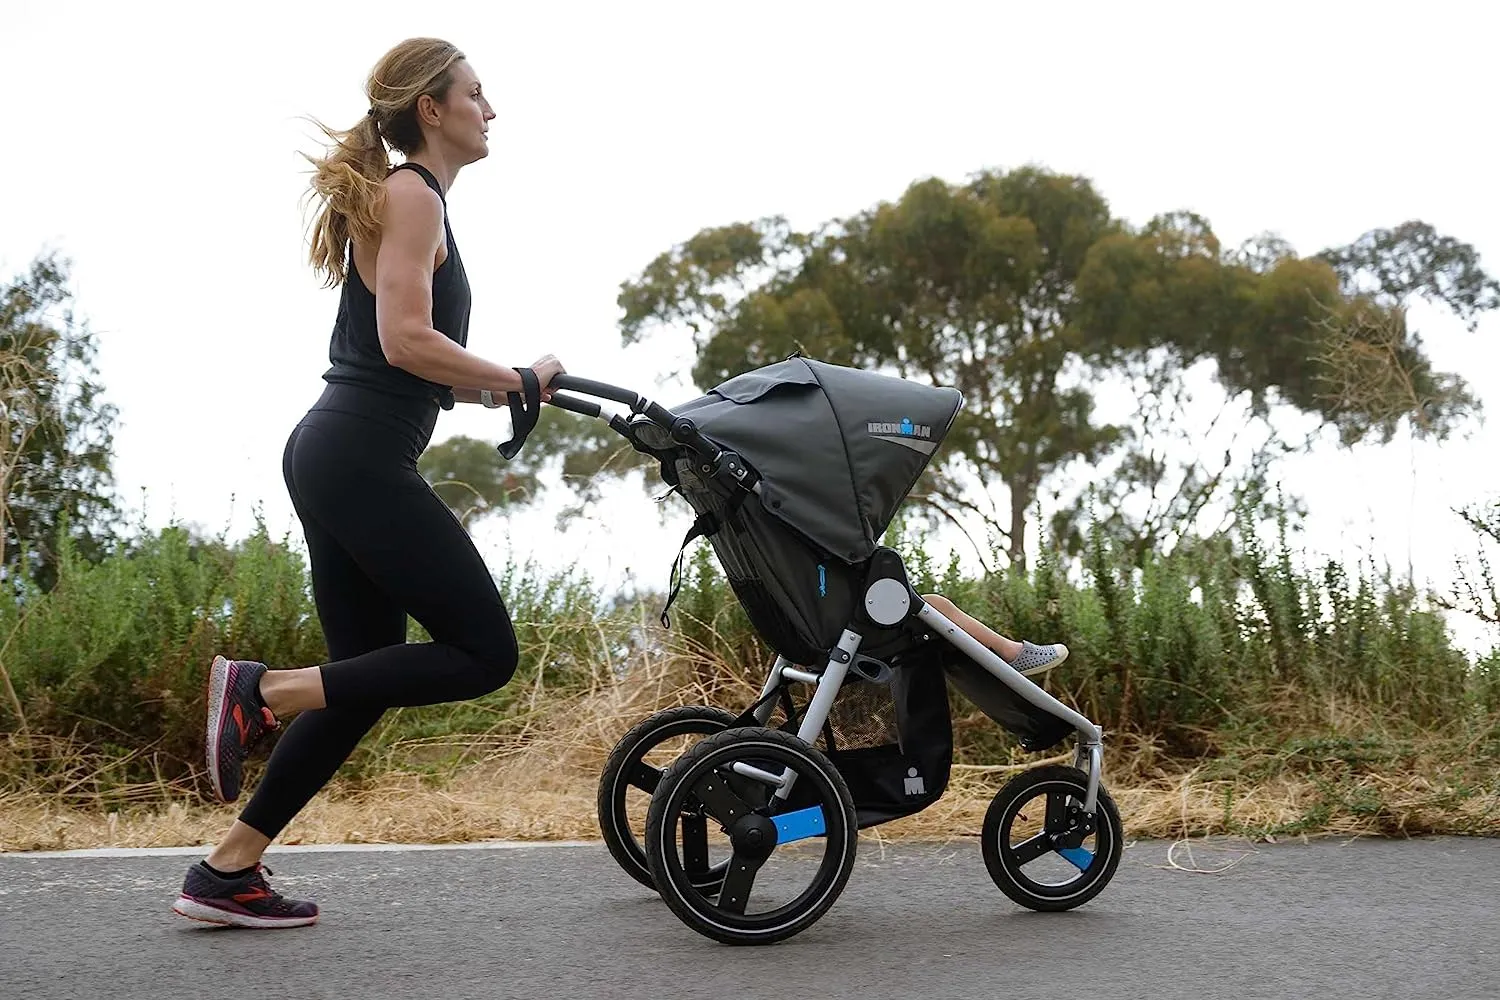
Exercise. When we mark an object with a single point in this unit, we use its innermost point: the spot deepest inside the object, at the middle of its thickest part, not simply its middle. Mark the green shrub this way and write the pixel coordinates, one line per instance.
(1221, 637)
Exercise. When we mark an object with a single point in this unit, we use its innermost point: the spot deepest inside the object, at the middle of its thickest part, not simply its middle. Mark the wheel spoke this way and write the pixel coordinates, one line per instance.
(1057, 812)
(1029, 850)
(645, 777)
(799, 825)
(757, 794)
(737, 884)
(719, 799)
(694, 844)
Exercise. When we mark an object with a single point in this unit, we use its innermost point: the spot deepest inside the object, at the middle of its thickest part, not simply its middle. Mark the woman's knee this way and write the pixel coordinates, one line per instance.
(498, 658)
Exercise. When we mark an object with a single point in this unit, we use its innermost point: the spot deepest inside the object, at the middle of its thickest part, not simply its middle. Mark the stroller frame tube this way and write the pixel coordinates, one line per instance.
(751, 771)
(1087, 757)
(765, 706)
(800, 675)
(826, 688)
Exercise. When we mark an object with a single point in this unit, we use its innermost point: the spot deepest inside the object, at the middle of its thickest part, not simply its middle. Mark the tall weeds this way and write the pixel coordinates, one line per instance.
(1206, 655)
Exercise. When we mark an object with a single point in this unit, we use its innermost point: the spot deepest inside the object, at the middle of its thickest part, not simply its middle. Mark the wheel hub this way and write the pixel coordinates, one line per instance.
(753, 837)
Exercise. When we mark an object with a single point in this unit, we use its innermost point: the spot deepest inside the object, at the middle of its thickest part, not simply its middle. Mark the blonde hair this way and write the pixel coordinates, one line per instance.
(348, 179)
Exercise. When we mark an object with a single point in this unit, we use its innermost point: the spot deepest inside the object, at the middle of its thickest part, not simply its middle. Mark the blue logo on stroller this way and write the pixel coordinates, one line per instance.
(822, 581)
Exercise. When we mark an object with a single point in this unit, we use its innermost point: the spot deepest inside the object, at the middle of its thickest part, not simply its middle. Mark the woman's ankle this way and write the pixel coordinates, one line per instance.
(288, 691)
(241, 848)
(270, 690)
(229, 863)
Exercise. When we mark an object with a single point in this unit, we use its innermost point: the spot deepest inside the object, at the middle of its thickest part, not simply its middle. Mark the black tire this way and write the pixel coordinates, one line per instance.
(818, 781)
(615, 781)
(1070, 786)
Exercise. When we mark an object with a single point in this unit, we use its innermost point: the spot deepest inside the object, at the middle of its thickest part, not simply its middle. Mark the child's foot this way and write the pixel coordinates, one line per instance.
(237, 719)
(242, 901)
(1035, 659)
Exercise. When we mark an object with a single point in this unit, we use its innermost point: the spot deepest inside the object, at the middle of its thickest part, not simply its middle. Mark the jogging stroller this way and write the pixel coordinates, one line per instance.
(795, 471)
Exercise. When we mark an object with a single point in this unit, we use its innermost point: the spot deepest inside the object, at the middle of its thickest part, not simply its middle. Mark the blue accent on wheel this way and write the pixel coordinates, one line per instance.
(800, 825)
(1078, 857)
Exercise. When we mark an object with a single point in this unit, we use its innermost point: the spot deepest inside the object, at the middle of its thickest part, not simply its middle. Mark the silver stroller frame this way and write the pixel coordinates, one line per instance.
(1087, 757)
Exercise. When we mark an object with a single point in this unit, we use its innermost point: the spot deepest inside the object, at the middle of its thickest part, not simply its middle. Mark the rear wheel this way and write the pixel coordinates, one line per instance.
(632, 773)
(786, 860)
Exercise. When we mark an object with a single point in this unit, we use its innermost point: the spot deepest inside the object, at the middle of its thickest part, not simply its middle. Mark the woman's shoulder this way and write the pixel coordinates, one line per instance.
(410, 202)
(409, 184)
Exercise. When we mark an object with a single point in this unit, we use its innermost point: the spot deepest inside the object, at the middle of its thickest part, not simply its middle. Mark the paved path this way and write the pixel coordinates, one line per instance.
(1366, 919)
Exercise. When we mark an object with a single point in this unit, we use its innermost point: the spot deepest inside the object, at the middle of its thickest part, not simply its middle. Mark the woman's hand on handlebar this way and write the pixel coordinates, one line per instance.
(547, 368)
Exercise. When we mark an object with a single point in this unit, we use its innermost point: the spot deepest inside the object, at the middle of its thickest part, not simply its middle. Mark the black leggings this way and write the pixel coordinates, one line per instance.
(382, 546)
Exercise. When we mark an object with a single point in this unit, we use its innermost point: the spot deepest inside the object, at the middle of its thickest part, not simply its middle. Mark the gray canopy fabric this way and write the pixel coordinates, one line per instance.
(837, 448)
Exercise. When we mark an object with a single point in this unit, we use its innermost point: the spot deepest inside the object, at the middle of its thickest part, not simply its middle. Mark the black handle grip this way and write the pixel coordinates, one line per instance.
(589, 387)
(563, 401)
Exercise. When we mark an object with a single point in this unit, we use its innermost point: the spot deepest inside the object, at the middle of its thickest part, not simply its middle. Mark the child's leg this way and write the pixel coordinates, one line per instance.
(1026, 657)
(1008, 649)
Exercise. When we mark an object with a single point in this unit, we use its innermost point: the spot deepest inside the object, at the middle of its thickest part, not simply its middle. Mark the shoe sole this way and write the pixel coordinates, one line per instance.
(195, 909)
(218, 689)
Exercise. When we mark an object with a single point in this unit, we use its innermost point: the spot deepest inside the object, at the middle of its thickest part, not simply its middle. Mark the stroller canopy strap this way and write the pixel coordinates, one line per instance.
(838, 449)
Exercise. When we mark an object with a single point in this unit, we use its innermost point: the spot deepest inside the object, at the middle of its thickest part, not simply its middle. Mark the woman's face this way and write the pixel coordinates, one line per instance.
(464, 121)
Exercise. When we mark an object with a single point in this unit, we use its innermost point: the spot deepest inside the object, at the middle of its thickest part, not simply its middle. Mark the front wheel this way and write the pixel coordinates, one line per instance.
(1041, 848)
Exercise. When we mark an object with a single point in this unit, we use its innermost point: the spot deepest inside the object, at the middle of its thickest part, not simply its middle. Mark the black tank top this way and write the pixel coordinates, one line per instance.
(355, 351)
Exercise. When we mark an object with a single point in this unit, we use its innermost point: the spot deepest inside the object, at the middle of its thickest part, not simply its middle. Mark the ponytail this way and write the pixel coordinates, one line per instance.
(349, 181)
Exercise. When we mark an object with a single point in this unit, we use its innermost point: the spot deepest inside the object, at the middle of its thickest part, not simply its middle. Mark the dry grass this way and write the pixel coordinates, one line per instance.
(524, 799)
(537, 782)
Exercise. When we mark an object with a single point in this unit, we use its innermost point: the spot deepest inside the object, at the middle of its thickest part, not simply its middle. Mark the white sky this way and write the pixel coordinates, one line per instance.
(156, 145)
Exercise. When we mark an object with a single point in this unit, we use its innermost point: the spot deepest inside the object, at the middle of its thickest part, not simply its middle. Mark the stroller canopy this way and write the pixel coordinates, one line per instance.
(837, 448)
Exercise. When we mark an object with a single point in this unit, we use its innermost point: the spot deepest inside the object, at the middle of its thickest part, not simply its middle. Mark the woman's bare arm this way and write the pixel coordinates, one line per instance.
(411, 233)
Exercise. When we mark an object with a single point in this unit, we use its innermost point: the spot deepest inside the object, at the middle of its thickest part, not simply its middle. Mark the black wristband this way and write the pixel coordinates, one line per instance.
(525, 408)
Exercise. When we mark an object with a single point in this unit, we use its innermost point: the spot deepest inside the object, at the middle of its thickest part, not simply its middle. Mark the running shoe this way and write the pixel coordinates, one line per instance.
(247, 901)
(237, 719)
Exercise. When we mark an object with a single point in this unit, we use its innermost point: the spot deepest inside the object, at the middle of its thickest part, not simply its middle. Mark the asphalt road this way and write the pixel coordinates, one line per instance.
(1364, 919)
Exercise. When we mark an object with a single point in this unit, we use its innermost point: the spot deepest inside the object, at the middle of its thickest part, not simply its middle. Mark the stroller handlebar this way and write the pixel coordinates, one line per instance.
(576, 404)
(589, 408)
(680, 429)
(589, 387)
